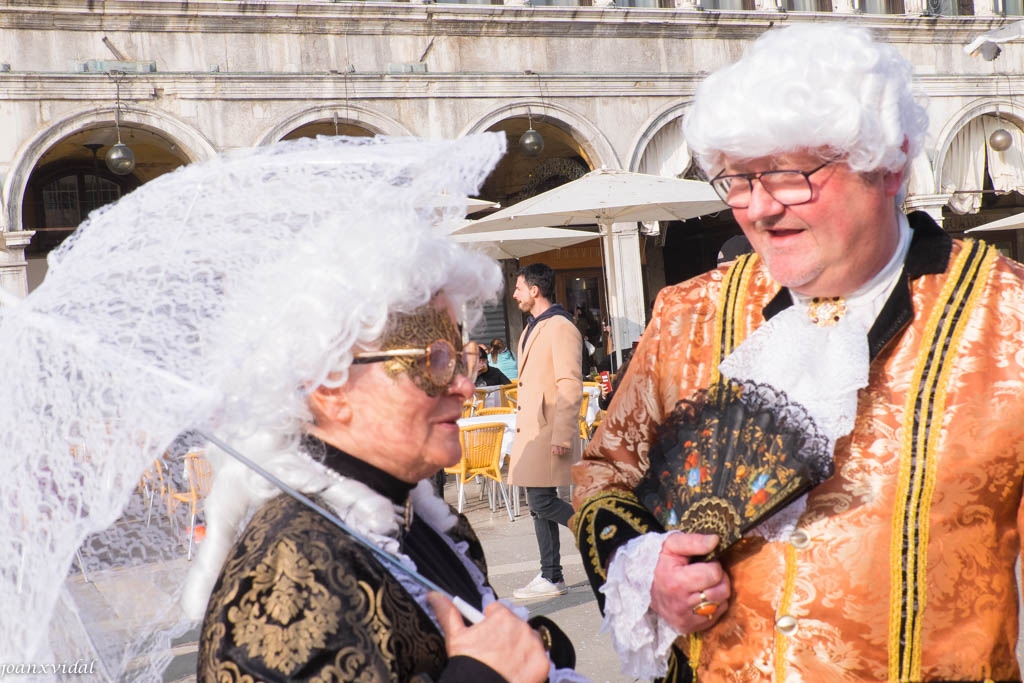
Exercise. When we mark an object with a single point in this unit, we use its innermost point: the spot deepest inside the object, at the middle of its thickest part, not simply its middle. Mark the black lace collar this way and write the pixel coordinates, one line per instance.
(392, 488)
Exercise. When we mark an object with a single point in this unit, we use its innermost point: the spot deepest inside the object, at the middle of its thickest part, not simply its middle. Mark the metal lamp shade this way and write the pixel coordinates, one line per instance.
(531, 143)
(1000, 140)
(120, 159)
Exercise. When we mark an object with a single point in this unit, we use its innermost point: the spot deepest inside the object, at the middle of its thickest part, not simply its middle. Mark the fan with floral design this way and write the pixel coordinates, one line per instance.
(731, 457)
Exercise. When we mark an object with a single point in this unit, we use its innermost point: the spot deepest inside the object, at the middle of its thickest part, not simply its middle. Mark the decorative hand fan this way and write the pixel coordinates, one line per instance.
(730, 458)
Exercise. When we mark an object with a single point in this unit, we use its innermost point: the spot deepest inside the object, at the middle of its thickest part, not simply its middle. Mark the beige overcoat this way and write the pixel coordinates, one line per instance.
(550, 390)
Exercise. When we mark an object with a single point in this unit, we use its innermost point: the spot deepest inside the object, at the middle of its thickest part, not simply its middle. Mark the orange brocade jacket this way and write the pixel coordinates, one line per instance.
(902, 565)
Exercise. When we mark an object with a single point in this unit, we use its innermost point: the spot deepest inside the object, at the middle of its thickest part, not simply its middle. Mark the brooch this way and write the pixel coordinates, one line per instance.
(826, 311)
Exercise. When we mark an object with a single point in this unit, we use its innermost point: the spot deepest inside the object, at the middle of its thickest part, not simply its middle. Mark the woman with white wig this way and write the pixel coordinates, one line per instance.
(299, 306)
(374, 332)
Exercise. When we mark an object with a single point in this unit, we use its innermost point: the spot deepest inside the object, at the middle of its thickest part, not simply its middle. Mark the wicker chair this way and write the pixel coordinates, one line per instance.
(200, 476)
(480, 412)
(481, 456)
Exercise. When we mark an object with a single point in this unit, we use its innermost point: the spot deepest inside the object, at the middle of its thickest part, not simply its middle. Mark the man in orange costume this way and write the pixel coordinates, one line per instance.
(900, 566)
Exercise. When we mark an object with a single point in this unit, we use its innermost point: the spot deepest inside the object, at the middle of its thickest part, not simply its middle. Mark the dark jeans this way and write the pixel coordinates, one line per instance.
(548, 511)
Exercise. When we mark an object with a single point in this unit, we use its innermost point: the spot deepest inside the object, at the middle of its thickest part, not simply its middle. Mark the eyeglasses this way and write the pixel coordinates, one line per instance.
(437, 364)
(788, 188)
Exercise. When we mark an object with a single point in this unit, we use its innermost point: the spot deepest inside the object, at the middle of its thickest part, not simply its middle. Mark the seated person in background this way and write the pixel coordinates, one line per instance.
(606, 395)
(286, 594)
(502, 358)
(488, 375)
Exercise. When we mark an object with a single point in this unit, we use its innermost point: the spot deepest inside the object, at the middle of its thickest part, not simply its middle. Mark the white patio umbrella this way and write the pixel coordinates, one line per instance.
(601, 198)
(514, 244)
(471, 204)
(474, 205)
(1014, 222)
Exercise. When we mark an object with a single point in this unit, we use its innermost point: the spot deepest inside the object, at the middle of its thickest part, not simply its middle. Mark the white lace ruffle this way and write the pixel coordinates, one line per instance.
(641, 638)
(821, 368)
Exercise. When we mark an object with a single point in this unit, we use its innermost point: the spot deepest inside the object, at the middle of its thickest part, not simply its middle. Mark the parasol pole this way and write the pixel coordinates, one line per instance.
(611, 290)
(473, 615)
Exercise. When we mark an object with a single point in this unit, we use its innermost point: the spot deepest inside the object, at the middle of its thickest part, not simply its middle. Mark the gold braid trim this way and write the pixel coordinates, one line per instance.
(695, 642)
(622, 504)
(918, 459)
(731, 304)
(788, 587)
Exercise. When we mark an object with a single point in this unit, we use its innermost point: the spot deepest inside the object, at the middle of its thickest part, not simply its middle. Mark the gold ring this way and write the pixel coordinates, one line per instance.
(705, 608)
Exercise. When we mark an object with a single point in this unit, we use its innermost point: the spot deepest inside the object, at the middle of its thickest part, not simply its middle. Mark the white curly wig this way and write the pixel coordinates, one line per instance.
(328, 299)
(826, 87)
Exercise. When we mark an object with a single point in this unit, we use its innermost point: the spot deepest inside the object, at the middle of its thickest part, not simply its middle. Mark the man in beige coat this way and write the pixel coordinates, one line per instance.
(547, 433)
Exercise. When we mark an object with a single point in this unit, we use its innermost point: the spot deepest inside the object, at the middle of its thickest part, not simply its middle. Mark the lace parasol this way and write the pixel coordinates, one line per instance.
(209, 298)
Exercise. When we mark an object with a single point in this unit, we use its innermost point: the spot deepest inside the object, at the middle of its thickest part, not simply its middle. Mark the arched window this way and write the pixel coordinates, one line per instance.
(61, 195)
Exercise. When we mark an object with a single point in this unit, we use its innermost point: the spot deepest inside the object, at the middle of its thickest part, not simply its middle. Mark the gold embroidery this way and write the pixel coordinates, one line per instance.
(286, 614)
(375, 621)
(382, 635)
(619, 502)
(694, 643)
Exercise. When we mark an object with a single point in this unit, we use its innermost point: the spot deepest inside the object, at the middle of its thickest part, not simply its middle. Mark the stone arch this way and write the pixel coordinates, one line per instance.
(549, 169)
(596, 146)
(989, 105)
(669, 116)
(377, 123)
(192, 144)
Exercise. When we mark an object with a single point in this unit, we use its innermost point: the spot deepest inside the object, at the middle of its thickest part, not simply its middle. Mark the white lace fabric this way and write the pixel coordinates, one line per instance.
(821, 368)
(641, 638)
(208, 298)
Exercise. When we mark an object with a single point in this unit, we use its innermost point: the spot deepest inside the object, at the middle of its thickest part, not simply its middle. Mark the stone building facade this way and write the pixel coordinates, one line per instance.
(604, 84)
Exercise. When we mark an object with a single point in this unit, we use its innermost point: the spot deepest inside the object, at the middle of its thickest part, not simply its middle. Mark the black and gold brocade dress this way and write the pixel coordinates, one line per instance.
(300, 600)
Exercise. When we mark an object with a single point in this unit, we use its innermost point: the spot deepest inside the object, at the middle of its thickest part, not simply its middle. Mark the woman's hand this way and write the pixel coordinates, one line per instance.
(691, 596)
(502, 641)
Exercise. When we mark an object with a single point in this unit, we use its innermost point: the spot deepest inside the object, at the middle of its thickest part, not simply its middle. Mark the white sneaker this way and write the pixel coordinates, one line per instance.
(540, 588)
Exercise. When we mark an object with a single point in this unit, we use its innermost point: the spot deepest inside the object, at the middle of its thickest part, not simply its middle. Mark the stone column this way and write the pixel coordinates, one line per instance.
(625, 285)
(13, 267)
(929, 203)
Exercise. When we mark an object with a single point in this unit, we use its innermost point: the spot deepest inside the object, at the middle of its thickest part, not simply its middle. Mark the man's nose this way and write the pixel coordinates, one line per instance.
(762, 204)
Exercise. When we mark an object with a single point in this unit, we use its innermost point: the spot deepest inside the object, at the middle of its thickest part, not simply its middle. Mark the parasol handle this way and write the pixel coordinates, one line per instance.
(470, 613)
